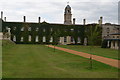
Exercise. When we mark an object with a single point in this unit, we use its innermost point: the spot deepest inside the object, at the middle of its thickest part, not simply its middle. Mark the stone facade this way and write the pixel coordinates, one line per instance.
(107, 30)
(111, 34)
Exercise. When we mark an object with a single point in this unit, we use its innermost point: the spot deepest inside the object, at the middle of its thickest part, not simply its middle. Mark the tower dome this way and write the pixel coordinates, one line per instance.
(68, 7)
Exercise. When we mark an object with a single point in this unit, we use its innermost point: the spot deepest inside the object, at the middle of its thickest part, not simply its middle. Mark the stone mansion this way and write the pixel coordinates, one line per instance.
(63, 34)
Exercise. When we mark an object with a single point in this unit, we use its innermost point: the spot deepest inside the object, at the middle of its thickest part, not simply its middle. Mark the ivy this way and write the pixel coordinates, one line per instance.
(51, 30)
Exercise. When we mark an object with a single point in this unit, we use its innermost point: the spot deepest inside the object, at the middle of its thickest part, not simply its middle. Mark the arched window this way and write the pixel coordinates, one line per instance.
(68, 11)
(14, 38)
(37, 29)
(14, 28)
(79, 40)
(51, 39)
(36, 39)
(44, 39)
(22, 29)
(51, 29)
(43, 30)
(29, 29)
(30, 38)
(21, 39)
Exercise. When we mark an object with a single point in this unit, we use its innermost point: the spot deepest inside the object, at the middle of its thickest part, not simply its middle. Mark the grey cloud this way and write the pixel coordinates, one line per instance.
(53, 11)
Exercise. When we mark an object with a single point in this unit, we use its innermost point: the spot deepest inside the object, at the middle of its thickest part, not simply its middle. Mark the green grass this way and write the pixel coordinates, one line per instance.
(96, 50)
(39, 61)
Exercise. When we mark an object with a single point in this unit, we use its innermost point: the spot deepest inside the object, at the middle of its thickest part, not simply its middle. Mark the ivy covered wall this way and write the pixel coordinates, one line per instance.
(21, 29)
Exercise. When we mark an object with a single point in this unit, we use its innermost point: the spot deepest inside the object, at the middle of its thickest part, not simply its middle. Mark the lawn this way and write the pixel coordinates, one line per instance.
(96, 50)
(39, 61)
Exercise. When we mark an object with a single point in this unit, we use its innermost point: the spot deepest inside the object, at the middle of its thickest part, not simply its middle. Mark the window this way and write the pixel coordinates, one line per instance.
(117, 36)
(79, 41)
(51, 29)
(68, 11)
(21, 39)
(22, 29)
(14, 38)
(29, 29)
(108, 29)
(65, 39)
(37, 29)
(72, 29)
(113, 36)
(51, 39)
(43, 30)
(29, 37)
(44, 39)
(36, 39)
(14, 28)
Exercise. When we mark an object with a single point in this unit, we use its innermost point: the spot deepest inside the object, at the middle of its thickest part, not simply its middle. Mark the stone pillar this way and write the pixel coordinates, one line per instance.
(61, 40)
(84, 21)
(116, 45)
(112, 44)
(68, 40)
(73, 21)
(24, 18)
(1, 14)
(39, 19)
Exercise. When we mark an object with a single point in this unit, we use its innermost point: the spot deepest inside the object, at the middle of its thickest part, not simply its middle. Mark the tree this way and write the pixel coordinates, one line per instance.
(56, 34)
(93, 34)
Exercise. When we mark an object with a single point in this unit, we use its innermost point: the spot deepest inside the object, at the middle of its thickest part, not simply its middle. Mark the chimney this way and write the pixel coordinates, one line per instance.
(5, 19)
(84, 21)
(38, 19)
(24, 18)
(74, 21)
(1, 14)
(101, 20)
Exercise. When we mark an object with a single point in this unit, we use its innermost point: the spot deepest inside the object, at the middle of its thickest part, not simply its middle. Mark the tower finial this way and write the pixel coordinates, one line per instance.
(68, 3)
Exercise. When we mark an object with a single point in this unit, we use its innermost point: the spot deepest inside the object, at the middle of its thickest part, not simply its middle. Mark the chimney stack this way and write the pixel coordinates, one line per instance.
(101, 20)
(5, 19)
(74, 21)
(84, 21)
(38, 19)
(1, 14)
(24, 18)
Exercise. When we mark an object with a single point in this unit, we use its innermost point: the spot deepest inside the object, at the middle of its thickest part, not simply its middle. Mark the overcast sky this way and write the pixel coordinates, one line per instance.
(52, 11)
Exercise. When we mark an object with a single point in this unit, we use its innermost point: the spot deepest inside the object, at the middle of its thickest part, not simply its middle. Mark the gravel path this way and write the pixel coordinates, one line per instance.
(109, 61)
